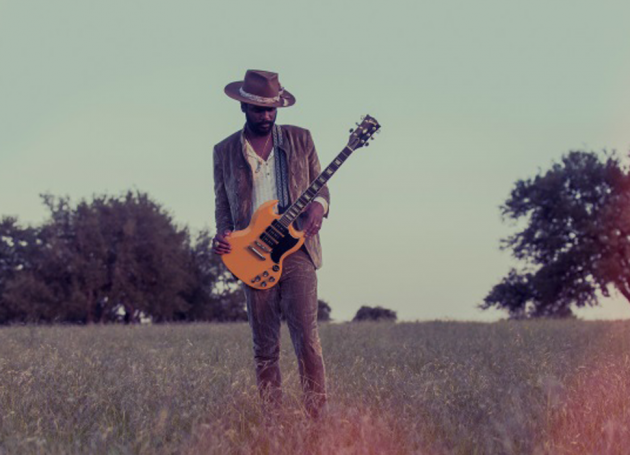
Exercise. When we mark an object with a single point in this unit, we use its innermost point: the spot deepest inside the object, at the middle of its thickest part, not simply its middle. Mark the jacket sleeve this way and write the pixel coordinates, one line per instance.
(222, 213)
(314, 169)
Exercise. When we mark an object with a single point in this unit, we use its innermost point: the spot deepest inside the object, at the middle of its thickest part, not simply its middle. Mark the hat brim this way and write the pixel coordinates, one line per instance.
(232, 90)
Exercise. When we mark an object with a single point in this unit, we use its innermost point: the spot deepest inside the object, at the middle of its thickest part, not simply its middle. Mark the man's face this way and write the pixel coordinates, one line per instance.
(260, 119)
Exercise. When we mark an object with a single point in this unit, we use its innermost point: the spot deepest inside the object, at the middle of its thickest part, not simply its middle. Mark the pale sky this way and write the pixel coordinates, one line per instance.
(106, 96)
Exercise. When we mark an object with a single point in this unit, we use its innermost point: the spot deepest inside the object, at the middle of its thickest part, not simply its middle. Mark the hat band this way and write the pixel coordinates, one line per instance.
(261, 99)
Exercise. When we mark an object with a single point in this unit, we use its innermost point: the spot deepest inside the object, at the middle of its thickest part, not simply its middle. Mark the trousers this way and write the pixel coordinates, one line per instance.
(295, 297)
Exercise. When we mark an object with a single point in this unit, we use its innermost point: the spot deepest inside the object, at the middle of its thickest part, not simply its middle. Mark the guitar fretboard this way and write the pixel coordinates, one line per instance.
(315, 187)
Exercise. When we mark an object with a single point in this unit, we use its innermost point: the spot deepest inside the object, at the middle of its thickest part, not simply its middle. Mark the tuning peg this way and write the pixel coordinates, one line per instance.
(367, 144)
(352, 130)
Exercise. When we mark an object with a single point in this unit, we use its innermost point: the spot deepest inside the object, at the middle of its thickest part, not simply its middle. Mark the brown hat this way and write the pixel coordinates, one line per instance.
(261, 88)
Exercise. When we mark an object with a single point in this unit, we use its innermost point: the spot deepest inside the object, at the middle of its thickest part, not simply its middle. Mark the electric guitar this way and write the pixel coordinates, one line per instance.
(259, 250)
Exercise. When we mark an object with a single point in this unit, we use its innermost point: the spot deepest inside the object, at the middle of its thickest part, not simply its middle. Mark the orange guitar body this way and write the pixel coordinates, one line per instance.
(255, 262)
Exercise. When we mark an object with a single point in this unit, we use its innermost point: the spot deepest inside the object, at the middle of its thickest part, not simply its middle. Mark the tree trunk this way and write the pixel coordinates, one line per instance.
(90, 308)
(623, 288)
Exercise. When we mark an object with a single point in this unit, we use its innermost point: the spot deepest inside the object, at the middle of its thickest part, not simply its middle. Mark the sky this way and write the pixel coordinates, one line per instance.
(102, 97)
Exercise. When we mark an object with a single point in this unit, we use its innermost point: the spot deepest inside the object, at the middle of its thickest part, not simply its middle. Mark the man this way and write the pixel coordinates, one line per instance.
(261, 162)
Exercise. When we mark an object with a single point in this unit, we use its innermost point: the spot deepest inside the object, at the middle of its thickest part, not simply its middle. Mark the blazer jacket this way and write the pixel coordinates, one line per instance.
(233, 181)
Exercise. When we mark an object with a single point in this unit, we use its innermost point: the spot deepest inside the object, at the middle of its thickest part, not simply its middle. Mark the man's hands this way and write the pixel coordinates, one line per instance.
(313, 217)
(220, 244)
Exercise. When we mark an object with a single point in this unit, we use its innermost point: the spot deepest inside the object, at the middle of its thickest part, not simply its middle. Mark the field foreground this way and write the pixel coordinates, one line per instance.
(437, 388)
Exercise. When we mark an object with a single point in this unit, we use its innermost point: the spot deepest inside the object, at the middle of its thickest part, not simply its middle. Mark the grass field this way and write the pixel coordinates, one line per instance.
(438, 387)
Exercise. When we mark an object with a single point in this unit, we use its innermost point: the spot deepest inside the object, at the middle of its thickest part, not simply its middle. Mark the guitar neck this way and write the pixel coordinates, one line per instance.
(291, 214)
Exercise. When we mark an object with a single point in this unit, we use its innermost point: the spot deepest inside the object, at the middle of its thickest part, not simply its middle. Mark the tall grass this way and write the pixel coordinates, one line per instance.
(439, 387)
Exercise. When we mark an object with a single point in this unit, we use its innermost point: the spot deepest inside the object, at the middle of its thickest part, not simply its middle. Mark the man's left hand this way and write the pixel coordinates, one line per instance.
(313, 217)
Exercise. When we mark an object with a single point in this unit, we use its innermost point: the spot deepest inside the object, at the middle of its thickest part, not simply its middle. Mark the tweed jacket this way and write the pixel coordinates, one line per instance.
(233, 181)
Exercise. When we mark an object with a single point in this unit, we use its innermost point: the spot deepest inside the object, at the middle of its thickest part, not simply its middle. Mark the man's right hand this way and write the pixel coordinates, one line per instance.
(220, 244)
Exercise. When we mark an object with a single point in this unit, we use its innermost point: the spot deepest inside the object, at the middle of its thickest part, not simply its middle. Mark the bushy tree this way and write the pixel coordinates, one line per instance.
(111, 259)
(22, 250)
(323, 311)
(576, 239)
(377, 313)
(216, 294)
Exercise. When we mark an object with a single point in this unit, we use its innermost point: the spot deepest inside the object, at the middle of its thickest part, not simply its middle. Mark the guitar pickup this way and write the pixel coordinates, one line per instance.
(256, 252)
(261, 246)
(273, 234)
(268, 240)
(279, 227)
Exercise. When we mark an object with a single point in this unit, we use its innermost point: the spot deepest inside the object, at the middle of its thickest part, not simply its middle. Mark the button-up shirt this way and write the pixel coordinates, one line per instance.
(264, 177)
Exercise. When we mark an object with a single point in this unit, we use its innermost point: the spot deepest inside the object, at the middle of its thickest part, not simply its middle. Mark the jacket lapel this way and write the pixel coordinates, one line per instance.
(285, 144)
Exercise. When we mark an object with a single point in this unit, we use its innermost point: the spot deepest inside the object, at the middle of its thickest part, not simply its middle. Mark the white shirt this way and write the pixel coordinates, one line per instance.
(264, 177)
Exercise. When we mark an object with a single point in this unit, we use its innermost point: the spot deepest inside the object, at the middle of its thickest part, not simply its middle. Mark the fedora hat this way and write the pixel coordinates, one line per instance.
(261, 88)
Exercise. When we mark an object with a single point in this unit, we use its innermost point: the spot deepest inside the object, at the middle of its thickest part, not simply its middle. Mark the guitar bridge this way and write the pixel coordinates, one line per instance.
(261, 246)
(257, 253)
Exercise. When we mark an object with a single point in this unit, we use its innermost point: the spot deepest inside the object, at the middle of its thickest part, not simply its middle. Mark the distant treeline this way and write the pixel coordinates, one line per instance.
(111, 259)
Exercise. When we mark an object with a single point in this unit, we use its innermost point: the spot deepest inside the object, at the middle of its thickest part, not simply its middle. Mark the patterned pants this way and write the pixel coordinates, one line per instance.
(295, 297)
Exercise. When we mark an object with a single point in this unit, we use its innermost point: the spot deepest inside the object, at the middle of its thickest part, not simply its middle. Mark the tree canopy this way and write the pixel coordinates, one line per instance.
(576, 240)
(111, 259)
(377, 313)
(323, 311)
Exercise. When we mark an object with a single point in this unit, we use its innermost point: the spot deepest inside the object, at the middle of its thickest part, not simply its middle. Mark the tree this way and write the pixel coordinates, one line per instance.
(148, 258)
(323, 311)
(216, 294)
(576, 241)
(377, 313)
(108, 259)
(112, 259)
(21, 251)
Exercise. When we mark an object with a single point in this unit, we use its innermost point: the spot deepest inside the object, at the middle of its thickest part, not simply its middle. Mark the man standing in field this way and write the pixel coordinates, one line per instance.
(261, 162)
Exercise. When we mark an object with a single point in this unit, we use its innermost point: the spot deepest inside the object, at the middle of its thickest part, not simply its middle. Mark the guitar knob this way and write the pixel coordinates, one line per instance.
(271, 279)
(263, 284)
(275, 268)
(265, 273)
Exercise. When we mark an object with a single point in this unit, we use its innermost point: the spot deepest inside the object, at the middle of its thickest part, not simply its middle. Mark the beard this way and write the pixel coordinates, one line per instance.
(261, 128)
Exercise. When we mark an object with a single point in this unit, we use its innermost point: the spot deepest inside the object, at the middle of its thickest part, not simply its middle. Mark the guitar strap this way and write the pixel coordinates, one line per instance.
(282, 171)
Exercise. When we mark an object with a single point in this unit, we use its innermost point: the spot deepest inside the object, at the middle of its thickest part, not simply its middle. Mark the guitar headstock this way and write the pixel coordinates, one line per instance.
(363, 132)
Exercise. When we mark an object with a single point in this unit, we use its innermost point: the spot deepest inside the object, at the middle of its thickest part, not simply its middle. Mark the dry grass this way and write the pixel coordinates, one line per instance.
(440, 387)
